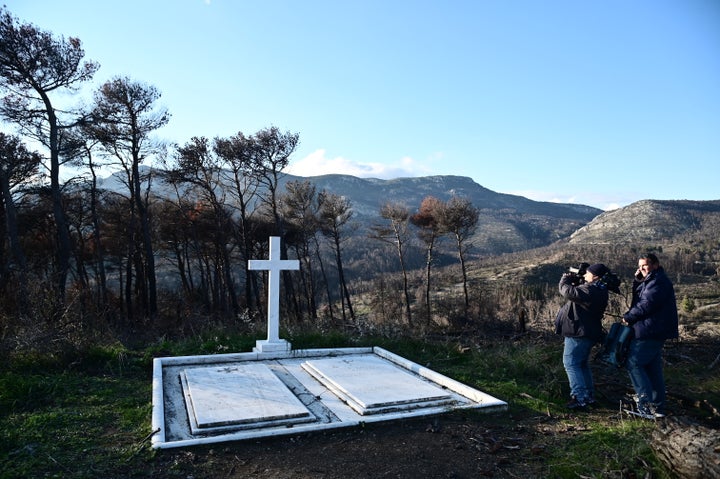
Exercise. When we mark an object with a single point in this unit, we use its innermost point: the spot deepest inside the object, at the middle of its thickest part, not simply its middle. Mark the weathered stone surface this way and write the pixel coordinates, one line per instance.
(238, 394)
(371, 385)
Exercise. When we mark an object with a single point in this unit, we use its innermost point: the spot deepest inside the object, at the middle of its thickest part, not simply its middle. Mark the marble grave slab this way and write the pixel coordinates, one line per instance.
(371, 385)
(231, 396)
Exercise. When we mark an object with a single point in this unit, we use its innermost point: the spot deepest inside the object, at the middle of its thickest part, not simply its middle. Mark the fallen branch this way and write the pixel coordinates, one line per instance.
(142, 443)
(58, 464)
(715, 362)
(711, 407)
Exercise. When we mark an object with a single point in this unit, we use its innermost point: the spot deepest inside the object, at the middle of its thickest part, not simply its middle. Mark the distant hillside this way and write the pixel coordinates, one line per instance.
(649, 221)
(368, 194)
(507, 223)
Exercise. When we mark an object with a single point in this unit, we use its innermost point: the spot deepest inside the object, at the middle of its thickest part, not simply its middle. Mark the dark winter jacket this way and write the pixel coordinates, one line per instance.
(653, 311)
(581, 316)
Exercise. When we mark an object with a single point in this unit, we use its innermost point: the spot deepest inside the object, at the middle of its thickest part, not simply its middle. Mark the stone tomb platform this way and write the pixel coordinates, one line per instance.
(228, 397)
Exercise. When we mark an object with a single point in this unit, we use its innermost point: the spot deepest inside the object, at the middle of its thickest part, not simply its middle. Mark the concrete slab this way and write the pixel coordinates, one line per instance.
(336, 394)
(373, 385)
(238, 395)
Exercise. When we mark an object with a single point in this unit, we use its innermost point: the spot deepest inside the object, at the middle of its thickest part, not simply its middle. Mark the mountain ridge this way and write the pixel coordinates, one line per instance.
(650, 220)
(509, 223)
(446, 186)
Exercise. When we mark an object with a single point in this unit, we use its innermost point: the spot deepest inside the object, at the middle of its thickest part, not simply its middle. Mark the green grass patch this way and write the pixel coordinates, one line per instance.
(88, 415)
(605, 450)
(72, 425)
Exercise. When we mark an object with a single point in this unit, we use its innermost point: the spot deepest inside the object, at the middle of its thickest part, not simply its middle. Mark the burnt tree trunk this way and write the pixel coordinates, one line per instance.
(688, 449)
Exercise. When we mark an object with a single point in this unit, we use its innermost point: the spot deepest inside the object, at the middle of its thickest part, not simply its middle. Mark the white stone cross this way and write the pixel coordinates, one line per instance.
(274, 265)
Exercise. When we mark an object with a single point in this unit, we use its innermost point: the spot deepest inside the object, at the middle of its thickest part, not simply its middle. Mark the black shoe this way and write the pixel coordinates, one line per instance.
(576, 405)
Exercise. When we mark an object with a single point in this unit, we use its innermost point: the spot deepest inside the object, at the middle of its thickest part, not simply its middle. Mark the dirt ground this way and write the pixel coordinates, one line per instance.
(455, 445)
(461, 444)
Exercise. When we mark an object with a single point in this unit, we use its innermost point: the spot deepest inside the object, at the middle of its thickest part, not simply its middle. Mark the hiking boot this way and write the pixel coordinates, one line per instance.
(644, 412)
(659, 413)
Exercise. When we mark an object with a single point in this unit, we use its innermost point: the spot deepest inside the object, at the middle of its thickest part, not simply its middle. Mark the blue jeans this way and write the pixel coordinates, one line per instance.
(644, 364)
(577, 366)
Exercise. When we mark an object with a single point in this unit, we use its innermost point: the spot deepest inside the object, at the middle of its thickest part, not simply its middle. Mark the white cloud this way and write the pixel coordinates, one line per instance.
(317, 163)
(611, 206)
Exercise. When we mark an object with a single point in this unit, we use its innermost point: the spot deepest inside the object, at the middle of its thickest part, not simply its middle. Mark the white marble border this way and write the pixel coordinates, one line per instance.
(477, 398)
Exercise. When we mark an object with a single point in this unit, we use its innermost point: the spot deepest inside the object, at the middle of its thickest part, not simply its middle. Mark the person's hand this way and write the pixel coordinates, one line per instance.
(639, 275)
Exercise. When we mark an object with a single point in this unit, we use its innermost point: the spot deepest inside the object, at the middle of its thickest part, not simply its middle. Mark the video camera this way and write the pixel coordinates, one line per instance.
(578, 274)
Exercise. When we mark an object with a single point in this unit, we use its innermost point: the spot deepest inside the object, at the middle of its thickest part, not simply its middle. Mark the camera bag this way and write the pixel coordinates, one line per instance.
(616, 345)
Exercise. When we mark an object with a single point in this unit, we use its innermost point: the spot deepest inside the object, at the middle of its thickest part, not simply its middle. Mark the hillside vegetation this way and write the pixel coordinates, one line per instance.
(690, 223)
(76, 398)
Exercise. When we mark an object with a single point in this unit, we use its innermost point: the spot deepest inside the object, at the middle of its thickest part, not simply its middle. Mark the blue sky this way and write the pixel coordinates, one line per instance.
(595, 102)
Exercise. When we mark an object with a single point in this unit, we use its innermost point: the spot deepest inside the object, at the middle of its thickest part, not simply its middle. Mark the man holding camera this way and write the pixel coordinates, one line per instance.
(580, 322)
(653, 317)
